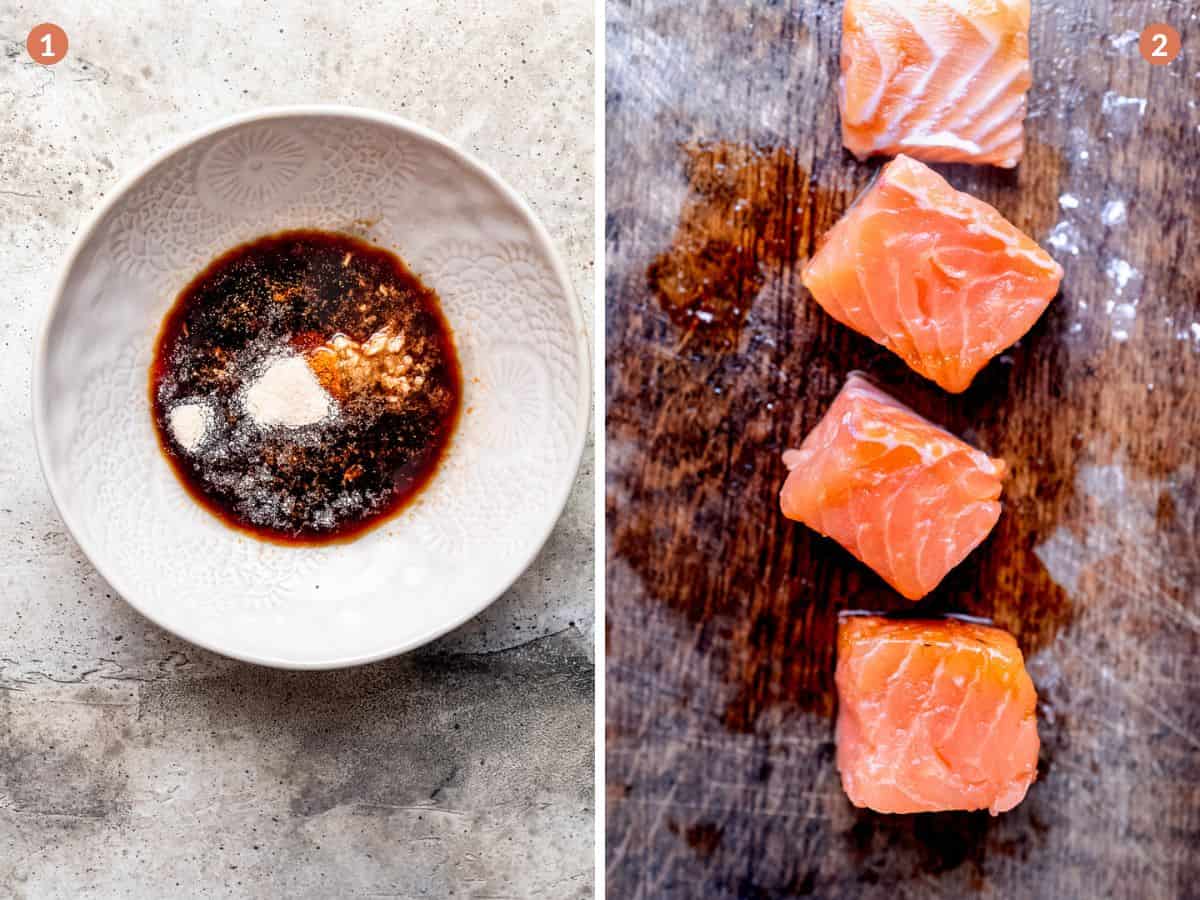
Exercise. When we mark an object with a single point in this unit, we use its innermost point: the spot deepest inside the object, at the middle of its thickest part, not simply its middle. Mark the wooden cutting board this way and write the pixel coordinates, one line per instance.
(724, 166)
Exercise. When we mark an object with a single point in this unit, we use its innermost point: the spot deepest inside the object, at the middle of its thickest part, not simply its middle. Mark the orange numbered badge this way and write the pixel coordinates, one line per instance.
(47, 44)
(1159, 44)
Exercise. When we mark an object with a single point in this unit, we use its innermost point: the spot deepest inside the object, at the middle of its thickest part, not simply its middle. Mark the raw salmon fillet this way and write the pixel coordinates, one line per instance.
(933, 715)
(935, 275)
(906, 497)
(942, 80)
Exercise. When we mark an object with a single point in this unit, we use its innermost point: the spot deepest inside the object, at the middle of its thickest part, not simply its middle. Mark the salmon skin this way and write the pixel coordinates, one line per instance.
(938, 277)
(933, 715)
(906, 497)
(941, 80)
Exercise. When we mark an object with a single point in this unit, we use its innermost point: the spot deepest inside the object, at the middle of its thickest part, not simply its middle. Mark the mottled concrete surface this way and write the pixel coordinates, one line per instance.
(132, 764)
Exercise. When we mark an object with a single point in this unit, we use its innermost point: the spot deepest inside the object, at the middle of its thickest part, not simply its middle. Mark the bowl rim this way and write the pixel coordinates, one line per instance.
(584, 402)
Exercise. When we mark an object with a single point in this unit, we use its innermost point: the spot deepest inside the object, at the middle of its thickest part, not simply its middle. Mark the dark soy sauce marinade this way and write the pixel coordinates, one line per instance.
(373, 336)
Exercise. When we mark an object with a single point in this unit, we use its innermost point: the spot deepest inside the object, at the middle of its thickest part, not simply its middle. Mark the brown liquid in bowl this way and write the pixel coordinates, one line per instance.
(373, 343)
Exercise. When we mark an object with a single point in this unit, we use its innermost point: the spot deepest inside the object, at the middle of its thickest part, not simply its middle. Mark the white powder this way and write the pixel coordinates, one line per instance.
(287, 393)
(190, 424)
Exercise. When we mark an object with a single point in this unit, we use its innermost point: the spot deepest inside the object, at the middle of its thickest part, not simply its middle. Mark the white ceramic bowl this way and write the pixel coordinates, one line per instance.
(498, 491)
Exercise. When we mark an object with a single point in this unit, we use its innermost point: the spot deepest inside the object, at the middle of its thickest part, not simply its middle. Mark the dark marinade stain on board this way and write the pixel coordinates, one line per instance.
(374, 338)
(736, 226)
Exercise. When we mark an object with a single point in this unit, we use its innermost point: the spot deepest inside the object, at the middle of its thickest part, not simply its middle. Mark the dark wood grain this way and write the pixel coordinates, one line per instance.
(724, 166)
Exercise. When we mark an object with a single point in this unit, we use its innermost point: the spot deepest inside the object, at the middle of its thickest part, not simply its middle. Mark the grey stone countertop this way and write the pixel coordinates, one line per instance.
(133, 764)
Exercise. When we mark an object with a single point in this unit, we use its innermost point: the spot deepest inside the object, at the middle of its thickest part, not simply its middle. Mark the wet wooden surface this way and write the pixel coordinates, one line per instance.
(724, 166)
